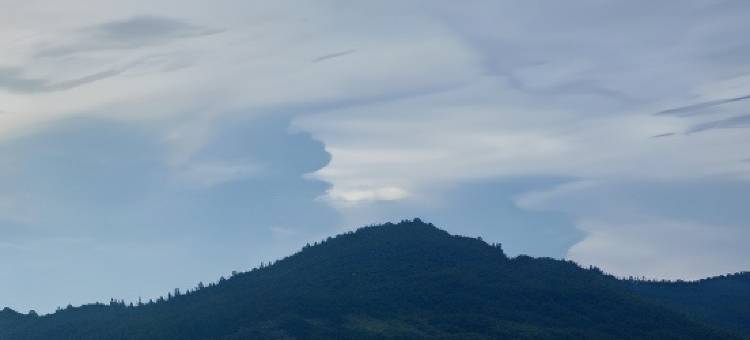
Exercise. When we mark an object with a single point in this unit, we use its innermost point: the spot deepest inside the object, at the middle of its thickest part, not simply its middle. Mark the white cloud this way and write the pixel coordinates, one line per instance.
(456, 136)
(443, 93)
(353, 196)
(662, 249)
(407, 97)
(655, 230)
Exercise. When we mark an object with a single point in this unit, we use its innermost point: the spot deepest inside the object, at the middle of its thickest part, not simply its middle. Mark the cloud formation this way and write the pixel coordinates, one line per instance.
(379, 110)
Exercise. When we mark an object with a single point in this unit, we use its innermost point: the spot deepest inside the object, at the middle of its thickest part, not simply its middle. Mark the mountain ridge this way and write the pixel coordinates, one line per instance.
(395, 280)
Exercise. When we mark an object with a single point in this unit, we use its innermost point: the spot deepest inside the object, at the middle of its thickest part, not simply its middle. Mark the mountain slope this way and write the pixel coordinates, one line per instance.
(399, 281)
(723, 300)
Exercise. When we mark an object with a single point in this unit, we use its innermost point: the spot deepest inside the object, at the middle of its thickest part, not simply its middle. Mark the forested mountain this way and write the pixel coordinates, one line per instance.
(411, 280)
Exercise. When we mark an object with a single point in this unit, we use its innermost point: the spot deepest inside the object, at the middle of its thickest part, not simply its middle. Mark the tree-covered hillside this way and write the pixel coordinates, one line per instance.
(722, 300)
(409, 280)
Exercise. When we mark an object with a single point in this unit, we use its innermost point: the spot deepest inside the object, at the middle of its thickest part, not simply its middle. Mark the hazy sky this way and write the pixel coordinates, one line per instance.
(148, 145)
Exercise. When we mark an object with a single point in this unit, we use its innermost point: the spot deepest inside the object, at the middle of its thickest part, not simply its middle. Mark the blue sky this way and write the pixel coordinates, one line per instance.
(148, 145)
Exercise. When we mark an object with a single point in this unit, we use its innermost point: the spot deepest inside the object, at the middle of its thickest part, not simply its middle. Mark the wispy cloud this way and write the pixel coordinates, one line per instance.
(12, 79)
(130, 33)
(700, 108)
(728, 123)
(333, 55)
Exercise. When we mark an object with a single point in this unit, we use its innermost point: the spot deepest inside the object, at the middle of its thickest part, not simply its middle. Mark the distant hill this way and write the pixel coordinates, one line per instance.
(722, 300)
(411, 280)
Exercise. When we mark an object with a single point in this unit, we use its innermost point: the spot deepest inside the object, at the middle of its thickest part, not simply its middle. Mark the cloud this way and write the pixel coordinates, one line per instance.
(244, 69)
(686, 230)
(661, 135)
(700, 108)
(376, 194)
(12, 79)
(333, 55)
(728, 123)
(145, 27)
(134, 32)
(661, 249)
(492, 131)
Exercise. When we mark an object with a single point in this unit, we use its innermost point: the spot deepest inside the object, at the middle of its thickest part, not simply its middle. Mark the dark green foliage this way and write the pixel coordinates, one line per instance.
(394, 281)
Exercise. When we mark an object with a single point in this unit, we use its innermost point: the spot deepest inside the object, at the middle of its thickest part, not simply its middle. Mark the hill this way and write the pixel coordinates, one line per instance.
(409, 280)
(722, 300)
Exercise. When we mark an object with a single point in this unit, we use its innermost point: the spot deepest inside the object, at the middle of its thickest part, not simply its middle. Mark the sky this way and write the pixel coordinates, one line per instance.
(148, 145)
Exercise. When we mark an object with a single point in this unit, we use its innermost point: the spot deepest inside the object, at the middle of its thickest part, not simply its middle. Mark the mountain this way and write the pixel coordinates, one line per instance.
(408, 280)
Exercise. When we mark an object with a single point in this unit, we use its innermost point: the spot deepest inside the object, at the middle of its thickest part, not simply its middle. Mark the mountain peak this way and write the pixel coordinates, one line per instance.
(405, 238)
